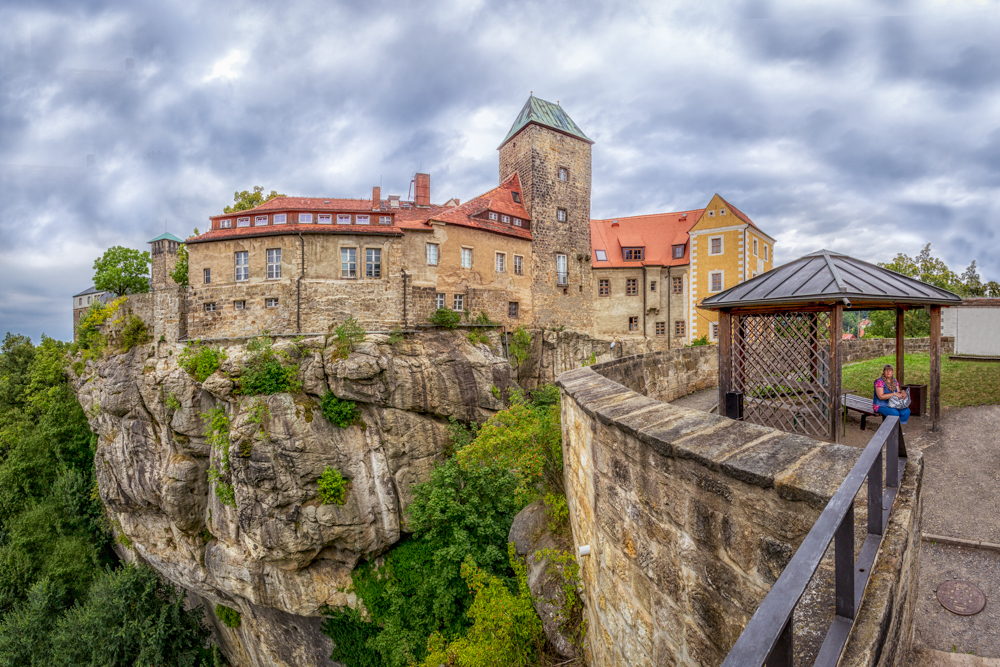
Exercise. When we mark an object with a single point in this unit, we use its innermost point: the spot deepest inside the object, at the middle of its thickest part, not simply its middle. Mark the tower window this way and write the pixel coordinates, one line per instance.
(652, 285)
(561, 214)
(518, 265)
(631, 286)
(240, 305)
(271, 303)
(562, 276)
(516, 196)
(210, 307)
(563, 174)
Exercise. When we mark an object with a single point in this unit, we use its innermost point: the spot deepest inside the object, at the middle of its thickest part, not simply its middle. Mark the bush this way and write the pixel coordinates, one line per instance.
(264, 372)
(698, 342)
(347, 335)
(229, 617)
(134, 333)
(332, 487)
(200, 361)
(520, 344)
(217, 437)
(340, 412)
(557, 511)
(443, 317)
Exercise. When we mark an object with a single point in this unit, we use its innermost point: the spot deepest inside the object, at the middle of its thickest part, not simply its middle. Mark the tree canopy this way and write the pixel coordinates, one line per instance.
(246, 200)
(122, 271)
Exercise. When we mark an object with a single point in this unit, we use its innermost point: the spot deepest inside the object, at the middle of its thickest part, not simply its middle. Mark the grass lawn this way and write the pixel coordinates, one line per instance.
(962, 382)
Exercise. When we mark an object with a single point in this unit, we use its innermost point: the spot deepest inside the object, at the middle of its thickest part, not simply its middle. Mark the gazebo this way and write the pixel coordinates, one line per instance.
(780, 332)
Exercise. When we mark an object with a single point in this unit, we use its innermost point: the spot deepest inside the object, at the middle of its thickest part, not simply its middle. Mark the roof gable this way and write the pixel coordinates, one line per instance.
(548, 115)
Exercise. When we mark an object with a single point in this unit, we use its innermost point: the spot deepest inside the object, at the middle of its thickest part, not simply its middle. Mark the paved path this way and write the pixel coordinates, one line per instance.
(703, 400)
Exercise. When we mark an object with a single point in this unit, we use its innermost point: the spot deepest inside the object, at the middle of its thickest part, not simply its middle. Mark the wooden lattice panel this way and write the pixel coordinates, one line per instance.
(781, 365)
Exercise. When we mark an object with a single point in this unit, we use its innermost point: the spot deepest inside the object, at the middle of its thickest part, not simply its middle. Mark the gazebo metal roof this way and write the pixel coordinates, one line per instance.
(828, 277)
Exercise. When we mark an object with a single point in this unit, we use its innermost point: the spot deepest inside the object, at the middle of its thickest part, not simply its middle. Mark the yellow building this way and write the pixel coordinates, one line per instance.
(726, 249)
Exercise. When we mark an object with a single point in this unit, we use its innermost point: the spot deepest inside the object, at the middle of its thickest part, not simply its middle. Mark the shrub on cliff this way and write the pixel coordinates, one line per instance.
(444, 317)
(134, 333)
(340, 412)
(200, 360)
(332, 487)
(229, 616)
(347, 335)
(264, 372)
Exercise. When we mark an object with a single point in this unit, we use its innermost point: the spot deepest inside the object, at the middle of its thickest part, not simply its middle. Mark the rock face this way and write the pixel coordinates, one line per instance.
(280, 555)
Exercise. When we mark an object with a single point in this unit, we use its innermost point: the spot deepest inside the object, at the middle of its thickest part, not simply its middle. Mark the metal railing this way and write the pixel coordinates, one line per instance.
(769, 638)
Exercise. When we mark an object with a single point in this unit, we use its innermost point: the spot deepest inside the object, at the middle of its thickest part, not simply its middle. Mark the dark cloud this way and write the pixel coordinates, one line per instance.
(867, 127)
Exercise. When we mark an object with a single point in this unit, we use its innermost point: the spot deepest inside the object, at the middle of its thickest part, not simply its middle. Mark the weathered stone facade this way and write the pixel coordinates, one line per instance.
(691, 517)
(661, 312)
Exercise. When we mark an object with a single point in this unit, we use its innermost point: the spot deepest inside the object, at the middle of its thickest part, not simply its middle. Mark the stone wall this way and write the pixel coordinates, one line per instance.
(691, 518)
(668, 374)
(860, 349)
(612, 311)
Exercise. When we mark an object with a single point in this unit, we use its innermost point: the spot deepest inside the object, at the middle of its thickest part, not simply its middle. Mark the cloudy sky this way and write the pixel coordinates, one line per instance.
(870, 127)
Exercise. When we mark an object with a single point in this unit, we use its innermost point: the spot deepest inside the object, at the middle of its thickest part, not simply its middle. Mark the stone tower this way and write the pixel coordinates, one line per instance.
(164, 250)
(551, 156)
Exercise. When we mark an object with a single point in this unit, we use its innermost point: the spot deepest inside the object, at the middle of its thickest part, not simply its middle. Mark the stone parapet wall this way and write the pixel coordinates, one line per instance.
(860, 349)
(691, 517)
(666, 375)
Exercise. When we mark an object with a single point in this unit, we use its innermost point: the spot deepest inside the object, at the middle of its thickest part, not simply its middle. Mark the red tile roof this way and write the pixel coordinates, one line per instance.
(657, 233)
(279, 204)
(499, 200)
(279, 230)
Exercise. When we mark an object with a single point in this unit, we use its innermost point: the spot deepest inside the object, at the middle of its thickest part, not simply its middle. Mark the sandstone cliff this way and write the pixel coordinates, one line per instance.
(280, 555)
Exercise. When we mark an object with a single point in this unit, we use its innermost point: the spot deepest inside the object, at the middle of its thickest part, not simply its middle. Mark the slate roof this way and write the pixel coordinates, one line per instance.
(89, 290)
(658, 233)
(547, 114)
(827, 277)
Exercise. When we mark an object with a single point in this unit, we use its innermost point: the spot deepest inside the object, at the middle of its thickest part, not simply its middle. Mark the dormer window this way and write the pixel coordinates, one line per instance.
(225, 224)
(280, 218)
(516, 196)
(517, 222)
(305, 218)
(633, 254)
(363, 219)
(260, 221)
(505, 218)
(601, 255)
(493, 216)
(343, 219)
(243, 222)
(679, 251)
(384, 220)
(324, 219)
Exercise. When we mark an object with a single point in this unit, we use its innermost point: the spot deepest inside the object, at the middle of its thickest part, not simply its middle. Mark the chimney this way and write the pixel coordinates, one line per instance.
(422, 190)
(376, 198)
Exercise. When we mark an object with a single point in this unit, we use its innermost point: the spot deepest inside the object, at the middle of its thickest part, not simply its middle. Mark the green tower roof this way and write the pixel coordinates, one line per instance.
(544, 113)
(166, 236)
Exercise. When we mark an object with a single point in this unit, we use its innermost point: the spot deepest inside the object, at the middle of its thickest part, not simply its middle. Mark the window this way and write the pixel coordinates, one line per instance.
(466, 258)
(348, 262)
(711, 214)
(208, 278)
(715, 281)
(633, 254)
(633, 324)
(459, 302)
(715, 245)
(373, 263)
(239, 305)
(517, 222)
(243, 222)
(271, 303)
(561, 274)
(713, 330)
(518, 265)
(325, 218)
(652, 285)
(765, 252)
(561, 214)
(631, 286)
(260, 221)
(661, 328)
(225, 224)
(755, 247)
(678, 285)
(563, 174)
(242, 266)
(679, 328)
(280, 218)
(305, 218)
(432, 254)
(384, 220)
(439, 300)
(501, 262)
(512, 308)
(363, 220)
(505, 218)
(210, 307)
(273, 263)
(603, 287)
(516, 196)
(493, 216)
(722, 211)
(601, 255)
(679, 251)
(343, 219)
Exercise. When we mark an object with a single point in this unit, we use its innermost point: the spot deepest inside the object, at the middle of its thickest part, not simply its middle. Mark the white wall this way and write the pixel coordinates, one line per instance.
(977, 331)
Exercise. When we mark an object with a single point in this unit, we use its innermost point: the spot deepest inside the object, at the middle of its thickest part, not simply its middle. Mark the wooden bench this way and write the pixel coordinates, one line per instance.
(859, 404)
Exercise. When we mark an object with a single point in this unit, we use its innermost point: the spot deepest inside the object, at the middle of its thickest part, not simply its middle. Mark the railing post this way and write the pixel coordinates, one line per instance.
(892, 457)
(875, 496)
(782, 653)
(843, 555)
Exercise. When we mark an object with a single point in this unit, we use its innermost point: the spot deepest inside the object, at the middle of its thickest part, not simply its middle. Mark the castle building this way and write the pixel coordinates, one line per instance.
(82, 301)
(525, 253)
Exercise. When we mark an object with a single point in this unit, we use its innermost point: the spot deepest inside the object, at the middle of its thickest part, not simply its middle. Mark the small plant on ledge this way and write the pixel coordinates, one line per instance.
(200, 361)
(340, 412)
(443, 317)
(229, 617)
(347, 335)
(332, 487)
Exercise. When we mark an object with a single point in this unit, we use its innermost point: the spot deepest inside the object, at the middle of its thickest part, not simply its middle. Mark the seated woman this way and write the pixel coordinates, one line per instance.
(885, 388)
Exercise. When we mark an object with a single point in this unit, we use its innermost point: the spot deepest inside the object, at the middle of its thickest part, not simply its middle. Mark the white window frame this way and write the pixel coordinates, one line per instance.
(636, 327)
(562, 276)
(765, 253)
(722, 281)
(305, 218)
(518, 265)
(343, 218)
(501, 262)
(273, 263)
(722, 211)
(279, 219)
(347, 261)
(225, 224)
(260, 221)
(206, 277)
(210, 307)
(244, 275)
(713, 331)
(563, 174)
(240, 304)
(517, 222)
(243, 222)
(505, 218)
(435, 250)
(439, 300)
(467, 252)
(385, 220)
(561, 215)
(324, 218)
(458, 303)
(271, 302)
(362, 219)
(755, 247)
(722, 245)
(602, 255)
(711, 214)
(375, 264)
(493, 216)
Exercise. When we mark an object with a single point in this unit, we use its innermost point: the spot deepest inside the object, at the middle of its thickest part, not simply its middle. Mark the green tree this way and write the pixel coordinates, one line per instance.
(246, 200)
(972, 285)
(122, 271)
(180, 272)
(993, 289)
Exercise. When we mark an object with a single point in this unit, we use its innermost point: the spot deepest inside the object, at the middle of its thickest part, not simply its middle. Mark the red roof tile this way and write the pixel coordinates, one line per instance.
(279, 230)
(657, 233)
(279, 204)
(499, 200)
